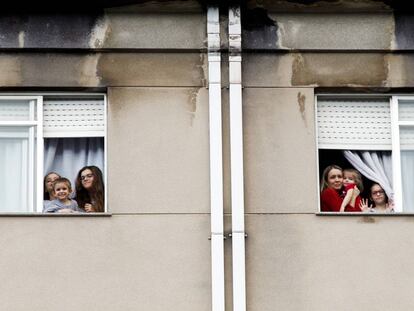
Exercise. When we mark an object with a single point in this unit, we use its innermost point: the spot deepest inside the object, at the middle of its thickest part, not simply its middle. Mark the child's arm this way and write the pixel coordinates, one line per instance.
(355, 194)
(347, 200)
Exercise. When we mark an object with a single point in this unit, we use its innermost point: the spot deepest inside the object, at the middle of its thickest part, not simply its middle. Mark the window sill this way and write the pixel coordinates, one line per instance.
(363, 214)
(25, 214)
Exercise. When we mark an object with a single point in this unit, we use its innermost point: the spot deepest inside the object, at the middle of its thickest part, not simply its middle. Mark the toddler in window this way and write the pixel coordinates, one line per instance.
(352, 188)
(62, 203)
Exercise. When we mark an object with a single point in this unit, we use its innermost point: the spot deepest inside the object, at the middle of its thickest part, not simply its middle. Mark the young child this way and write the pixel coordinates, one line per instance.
(352, 178)
(62, 203)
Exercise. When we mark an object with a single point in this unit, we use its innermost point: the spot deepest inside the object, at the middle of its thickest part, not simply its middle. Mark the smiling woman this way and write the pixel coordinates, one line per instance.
(332, 191)
(90, 189)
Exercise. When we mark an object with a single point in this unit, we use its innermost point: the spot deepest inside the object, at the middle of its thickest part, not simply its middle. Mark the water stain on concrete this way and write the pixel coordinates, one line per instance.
(367, 219)
(259, 30)
(203, 68)
(192, 104)
(301, 103)
(88, 67)
(100, 32)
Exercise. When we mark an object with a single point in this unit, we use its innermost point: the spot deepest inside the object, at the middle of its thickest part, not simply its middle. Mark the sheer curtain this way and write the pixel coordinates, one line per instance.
(66, 156)
(375, 165)
(13, 178)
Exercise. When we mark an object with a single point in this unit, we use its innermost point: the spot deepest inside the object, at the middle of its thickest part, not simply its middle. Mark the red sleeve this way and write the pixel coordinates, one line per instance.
(349, 208)
(331, 202)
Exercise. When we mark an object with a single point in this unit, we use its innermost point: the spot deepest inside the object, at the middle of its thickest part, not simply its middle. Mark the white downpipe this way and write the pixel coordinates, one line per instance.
(236, 157)
(216, 161)
(39, 155)
(396, 155)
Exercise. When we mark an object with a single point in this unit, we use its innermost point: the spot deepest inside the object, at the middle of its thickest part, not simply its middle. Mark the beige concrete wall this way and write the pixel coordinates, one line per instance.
(279, 150)
(130, 262)
(308, 262)
(158, 150)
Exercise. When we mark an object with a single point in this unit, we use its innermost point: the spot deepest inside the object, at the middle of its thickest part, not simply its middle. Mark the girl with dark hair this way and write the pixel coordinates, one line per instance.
(90, 189)
(381, 204)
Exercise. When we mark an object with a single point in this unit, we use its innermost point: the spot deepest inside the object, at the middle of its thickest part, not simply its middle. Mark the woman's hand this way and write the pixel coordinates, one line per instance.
(364, 205)
(89, 208)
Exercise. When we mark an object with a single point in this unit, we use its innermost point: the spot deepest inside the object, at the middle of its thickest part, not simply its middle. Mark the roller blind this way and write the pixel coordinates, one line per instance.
(73, 118)
(354, 123)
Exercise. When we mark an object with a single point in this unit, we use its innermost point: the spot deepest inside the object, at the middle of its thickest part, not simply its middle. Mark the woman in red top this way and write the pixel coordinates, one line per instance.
(332, 191)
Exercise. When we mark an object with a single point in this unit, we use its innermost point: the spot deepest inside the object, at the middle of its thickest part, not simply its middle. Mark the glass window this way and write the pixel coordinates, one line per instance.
(373, 135)
(39, 134)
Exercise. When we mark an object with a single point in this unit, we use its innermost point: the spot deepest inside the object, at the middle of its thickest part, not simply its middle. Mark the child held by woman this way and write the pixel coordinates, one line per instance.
(352, 188)
(62, 203)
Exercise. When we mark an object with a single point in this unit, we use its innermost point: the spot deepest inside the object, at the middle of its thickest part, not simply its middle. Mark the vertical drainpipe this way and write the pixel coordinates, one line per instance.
(236, 158)
(216, 161)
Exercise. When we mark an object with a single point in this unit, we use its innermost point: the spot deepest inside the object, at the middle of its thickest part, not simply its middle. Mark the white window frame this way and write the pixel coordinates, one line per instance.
(38, 98)
(395, 140)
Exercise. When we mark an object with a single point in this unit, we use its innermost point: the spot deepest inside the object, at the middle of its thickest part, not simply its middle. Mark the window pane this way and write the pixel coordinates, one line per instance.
(14, 169)
(17, 110)
(407, 137)
(407, 167)
(406, 110)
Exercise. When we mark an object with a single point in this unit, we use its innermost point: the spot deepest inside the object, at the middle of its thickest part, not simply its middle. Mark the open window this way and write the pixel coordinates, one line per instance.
(43, 133)
(373, 134)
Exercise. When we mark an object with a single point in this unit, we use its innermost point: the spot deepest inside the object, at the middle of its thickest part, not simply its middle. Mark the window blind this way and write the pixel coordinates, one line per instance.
(354, 123)
(73, 118)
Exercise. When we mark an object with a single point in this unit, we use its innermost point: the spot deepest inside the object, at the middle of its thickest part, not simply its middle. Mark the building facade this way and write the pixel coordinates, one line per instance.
(152, 249)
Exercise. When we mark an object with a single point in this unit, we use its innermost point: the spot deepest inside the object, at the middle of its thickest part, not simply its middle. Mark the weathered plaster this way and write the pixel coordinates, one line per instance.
(404, 31)
(11, 70)
(87, 67)
(318, 6)
(267, 69)
(151, 69)
(99, 32)
(401, 70)
(340, 69)
(64, 70)
(156, 31)
(259, 31)
(336, 31)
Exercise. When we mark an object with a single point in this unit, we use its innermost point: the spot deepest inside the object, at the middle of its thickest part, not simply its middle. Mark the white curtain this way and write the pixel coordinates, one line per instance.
(66, 156)
(14, 155)
(375, 165)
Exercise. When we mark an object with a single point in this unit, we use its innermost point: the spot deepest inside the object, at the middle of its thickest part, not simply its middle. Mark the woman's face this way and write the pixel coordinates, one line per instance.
(49, 181)
(378, 195)
(87, 178)
(335, 179)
